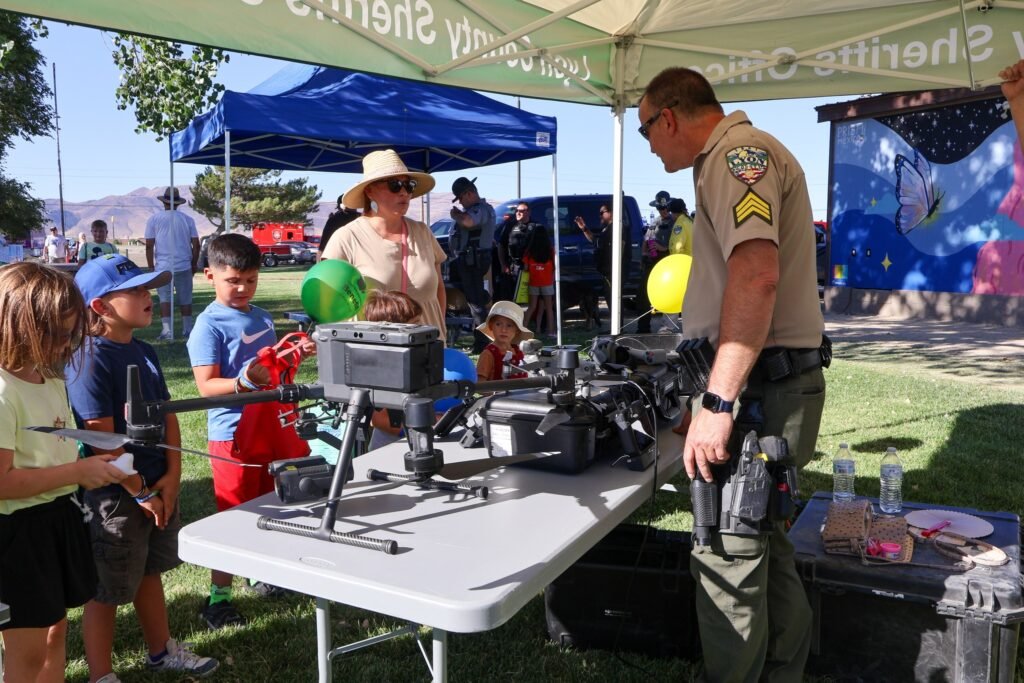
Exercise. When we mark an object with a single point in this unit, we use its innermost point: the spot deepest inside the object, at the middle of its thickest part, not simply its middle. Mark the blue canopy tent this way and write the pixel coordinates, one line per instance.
(317, 119)
(307, 118)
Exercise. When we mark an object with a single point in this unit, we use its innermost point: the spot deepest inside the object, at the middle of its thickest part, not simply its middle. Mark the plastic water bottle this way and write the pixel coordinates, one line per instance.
(891, 478)
(843, 474)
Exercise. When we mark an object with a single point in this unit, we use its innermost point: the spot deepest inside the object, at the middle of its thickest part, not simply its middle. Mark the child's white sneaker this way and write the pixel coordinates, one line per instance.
(109, 678)
(179, 657)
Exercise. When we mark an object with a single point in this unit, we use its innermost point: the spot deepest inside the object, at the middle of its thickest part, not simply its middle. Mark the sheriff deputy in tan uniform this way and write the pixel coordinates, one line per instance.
(753, 294)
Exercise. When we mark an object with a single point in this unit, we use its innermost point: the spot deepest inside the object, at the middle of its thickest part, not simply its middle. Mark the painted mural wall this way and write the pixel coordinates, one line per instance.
(930, 200)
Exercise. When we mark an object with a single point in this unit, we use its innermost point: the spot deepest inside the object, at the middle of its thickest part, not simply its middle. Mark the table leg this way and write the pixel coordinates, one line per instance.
(440, 663)
(323, 639)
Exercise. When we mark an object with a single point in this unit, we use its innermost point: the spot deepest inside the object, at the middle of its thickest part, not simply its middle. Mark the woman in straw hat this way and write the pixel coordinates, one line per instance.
(385, 246)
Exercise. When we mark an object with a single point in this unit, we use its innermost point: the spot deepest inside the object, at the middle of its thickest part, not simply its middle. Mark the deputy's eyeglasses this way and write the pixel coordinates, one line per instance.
(522, 210)
(395, 185)
(603, 211)
(645, 130)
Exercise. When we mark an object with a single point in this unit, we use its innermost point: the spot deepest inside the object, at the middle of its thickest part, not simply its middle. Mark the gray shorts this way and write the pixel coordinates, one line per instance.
(548, 289)
(182, 282)
(127, 545)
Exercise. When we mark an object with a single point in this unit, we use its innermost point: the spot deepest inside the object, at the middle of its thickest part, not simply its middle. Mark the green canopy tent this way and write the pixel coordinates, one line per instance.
(600, 52)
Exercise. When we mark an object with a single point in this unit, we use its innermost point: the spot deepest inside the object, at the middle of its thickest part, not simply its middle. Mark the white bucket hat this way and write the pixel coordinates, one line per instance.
(513, 312)
(381, 165)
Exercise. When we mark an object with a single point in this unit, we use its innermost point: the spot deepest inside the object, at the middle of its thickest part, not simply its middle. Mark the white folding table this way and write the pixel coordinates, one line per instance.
(463, 565)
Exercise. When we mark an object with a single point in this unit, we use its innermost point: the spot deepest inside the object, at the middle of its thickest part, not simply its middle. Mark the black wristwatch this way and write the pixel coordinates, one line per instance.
(715, 403)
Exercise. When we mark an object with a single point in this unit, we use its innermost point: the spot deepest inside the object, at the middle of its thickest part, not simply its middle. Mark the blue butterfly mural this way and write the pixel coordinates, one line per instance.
(915, 192)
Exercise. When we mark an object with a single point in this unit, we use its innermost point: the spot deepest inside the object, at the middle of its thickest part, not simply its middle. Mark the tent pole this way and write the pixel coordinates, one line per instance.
(618, 111)
(174, 247)
(558, 270)
(617, 207)
(227, 181)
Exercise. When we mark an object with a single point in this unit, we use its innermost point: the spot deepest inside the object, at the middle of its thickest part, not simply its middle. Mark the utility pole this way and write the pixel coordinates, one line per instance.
(60, 175)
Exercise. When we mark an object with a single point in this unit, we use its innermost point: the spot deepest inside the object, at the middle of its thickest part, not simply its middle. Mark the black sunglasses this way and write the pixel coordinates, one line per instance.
(395, 185)
(645, 130)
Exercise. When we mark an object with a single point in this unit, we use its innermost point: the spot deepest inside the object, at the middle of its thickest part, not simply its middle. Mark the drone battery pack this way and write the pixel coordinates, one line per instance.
(602, 603)
(510, 428)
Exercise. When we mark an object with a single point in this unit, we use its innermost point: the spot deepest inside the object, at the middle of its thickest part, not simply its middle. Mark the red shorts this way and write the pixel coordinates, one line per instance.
(232, 484)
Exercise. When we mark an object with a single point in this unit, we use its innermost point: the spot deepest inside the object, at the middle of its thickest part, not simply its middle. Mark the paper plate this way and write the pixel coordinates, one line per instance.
(963, 524)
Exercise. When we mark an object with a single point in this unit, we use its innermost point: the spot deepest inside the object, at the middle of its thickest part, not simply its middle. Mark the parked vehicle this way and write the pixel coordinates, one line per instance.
(578, 269)
(821, 249)
(272, 254)
(301, 252)
(272, 233)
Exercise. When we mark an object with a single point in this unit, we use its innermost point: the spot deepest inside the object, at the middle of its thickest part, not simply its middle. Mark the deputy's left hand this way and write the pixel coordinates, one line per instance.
(1013, 77)
(706, 442)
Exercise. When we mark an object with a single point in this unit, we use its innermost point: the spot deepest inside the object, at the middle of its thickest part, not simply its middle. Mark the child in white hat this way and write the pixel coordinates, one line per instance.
(501, 358)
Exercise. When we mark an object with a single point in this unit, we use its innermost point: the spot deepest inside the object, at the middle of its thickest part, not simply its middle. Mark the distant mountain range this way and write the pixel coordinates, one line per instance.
(127, 214)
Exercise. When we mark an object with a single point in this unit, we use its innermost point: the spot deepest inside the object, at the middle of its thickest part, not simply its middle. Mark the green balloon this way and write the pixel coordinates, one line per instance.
(333, 290)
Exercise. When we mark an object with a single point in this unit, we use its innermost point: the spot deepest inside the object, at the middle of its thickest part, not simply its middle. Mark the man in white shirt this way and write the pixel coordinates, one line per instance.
(172, 243)
(56, 247)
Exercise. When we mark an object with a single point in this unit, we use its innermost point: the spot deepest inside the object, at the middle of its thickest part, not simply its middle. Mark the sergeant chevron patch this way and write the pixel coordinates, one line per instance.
(752, 205)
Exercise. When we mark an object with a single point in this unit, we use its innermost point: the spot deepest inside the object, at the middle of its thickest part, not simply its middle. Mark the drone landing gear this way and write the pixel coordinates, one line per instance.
(358, 409)
(425, 482)
(423, 460)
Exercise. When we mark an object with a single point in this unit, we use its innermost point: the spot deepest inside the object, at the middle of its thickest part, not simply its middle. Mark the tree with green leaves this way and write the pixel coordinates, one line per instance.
(165, 86)
(25, 112)
(257, 196)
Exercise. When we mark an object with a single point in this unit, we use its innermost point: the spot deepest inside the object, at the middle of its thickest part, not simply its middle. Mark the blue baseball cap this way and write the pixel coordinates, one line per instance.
(113, 273)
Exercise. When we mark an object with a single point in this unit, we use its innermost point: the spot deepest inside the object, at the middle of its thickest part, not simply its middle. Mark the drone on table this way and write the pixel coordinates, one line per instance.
(400, 367)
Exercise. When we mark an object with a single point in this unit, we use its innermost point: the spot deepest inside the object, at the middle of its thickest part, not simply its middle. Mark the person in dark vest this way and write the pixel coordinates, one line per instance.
(654, 247)
(513, 244)
(471, 243)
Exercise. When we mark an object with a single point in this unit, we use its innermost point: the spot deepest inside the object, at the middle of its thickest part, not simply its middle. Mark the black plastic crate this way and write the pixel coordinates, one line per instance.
(911, 623)
(600, 603)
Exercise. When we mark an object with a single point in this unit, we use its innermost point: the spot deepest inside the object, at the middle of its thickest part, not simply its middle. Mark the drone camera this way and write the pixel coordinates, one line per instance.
(299, 480)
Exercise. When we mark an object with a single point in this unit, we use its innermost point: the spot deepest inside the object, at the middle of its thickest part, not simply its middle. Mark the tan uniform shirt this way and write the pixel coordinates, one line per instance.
(379, 261)
(749, 186)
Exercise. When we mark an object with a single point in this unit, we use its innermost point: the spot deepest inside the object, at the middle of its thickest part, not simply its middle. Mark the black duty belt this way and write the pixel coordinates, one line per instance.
(777, 363)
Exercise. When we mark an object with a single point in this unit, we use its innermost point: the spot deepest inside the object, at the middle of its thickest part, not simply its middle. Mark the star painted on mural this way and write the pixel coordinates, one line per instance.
(886, 262)
(874, 201)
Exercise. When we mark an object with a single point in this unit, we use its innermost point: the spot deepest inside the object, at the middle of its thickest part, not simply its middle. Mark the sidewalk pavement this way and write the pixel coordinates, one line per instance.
(973, 352)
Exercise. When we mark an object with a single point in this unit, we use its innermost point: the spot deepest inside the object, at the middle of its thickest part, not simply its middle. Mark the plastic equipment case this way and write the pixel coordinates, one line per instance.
(910, 623)
(599, 602)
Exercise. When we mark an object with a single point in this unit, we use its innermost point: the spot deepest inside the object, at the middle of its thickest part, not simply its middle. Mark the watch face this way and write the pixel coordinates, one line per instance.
(714, 403)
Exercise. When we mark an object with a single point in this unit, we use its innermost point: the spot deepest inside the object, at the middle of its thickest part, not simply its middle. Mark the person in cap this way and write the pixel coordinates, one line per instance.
(502, 356)
(55, 246)
(99, 246)
(681, 240)
(471, 244)
(395, 252)
(135, 522)
(654, 247)
(340, 217)
(752, 293)
(172, 243)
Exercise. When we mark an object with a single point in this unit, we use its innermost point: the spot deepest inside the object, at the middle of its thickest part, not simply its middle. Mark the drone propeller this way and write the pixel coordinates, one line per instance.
(109, 441)
(469, 468)
(554, 418)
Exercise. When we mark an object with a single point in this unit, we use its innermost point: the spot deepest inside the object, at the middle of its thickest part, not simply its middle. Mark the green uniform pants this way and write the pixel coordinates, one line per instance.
(753, 614)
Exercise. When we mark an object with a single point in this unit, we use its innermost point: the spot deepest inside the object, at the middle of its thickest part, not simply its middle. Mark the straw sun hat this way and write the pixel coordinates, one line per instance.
(513, 312)
(381, 165)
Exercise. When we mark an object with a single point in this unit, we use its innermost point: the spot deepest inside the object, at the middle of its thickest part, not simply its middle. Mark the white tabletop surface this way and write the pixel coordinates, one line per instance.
(463, 564)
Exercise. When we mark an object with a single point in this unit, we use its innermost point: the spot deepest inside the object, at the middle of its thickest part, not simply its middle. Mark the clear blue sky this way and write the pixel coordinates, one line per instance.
(102, 155)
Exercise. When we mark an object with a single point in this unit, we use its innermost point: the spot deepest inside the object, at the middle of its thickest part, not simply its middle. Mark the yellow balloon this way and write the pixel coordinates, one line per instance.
(666, 285)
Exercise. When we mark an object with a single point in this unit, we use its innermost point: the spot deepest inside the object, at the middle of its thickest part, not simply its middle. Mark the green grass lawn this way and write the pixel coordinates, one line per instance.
(960, 442)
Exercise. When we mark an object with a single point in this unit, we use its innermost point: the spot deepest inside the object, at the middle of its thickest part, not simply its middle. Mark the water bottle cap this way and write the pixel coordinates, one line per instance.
(844, 445)
(890, 449)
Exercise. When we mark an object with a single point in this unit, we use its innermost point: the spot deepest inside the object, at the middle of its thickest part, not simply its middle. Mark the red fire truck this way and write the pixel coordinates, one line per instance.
(272, 233)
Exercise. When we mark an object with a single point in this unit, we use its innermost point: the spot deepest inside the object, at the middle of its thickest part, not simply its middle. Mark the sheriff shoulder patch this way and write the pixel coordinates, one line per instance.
(747, 164)
(752, 205)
